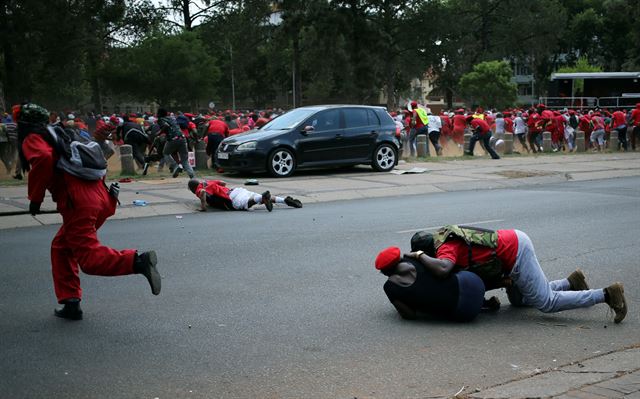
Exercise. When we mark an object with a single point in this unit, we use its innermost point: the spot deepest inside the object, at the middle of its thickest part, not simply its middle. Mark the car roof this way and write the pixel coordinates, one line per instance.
(327, 106)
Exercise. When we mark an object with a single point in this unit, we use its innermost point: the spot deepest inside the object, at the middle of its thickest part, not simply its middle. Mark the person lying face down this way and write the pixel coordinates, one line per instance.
(216, 194)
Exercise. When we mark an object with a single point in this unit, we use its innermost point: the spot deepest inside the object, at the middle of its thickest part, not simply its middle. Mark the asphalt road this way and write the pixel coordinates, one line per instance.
(288, 304)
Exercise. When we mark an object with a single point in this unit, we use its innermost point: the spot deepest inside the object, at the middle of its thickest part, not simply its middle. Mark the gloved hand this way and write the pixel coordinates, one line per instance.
(34, 207)
(114, 190)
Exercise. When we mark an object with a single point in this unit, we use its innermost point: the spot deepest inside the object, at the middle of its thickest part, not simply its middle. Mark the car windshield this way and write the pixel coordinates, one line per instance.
(290, 119)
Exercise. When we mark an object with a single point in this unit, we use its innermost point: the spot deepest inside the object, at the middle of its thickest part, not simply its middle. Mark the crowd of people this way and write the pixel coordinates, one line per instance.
(526, 124)
(163, 138)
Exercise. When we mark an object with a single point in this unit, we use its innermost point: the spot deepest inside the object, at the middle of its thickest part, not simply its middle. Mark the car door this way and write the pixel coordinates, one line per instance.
(362, 127)
(323, 141)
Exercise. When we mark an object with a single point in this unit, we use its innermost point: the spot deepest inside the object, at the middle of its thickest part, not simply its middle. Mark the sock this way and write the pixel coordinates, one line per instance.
(278, 200)
(606, 295)
(257, 198)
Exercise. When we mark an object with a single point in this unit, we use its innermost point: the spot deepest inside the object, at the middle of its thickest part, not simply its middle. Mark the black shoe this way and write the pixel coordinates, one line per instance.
(468, 153)
(145, 264)
(70, 311)
(292, 202)
(266, 200)
(145, 169)
(177, 170)
(18, 176)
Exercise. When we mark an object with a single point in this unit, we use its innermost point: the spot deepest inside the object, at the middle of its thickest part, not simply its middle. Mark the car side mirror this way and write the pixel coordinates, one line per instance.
(307, 129)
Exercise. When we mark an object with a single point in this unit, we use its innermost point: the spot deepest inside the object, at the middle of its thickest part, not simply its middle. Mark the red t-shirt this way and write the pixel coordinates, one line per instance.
(484, 126)
(459, 123)
(508, 125)
(213, 187)
(457, 251)
(217, 126)
(619, 119)
(635, 116)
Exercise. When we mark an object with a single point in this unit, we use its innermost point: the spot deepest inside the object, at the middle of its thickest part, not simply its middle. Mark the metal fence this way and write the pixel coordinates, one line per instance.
(590, 102)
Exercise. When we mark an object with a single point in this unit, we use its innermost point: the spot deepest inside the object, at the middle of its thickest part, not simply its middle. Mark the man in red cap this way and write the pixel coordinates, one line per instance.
(412, 289)
(619, 123)
(84, 206)
(508, 256)
(216, 194)
(216, 132)
(481, 132)
(634, 124)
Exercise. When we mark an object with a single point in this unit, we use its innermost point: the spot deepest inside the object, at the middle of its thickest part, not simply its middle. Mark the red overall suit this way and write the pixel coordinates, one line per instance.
(84, 206)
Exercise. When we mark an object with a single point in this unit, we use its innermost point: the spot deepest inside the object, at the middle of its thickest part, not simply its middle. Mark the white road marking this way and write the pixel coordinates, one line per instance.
(437, 227)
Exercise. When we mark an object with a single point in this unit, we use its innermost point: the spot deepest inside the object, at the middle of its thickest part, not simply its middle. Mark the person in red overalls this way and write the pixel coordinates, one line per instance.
(84, 206)
(459, 124)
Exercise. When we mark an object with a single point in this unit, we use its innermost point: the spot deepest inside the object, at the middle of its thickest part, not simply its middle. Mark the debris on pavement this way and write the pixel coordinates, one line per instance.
(409, 171)
(251, 182)
(139, 202)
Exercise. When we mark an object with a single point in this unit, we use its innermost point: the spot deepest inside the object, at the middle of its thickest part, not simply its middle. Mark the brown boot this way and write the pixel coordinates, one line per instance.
(577, 281)
(614, 295)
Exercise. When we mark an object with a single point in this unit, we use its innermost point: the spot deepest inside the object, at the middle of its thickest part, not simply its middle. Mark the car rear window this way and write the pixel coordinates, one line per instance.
(355, 117)
(373, 118)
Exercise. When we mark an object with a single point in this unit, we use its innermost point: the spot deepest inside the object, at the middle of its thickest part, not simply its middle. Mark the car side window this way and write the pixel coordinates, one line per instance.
(355, 117)
(328, 120)
(373, 118)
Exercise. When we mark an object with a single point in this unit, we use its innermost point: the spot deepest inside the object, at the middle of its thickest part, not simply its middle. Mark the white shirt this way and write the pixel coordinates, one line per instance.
(499, 125)
(519, 126)
(435, 124)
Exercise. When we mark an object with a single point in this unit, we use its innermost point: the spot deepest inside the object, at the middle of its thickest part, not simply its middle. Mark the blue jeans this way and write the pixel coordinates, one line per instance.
(537, 291)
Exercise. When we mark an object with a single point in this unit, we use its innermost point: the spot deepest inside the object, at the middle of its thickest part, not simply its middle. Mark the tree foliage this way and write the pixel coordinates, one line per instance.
(77, 53)
(489, 84)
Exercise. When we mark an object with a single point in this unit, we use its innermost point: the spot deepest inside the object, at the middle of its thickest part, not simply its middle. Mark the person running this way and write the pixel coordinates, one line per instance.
(175, 143)
(501, 254)
(481, 132)
(216, 194)
(84, 205)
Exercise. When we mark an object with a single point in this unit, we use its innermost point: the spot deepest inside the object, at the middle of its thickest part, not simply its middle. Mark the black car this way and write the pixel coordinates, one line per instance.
(315, 136)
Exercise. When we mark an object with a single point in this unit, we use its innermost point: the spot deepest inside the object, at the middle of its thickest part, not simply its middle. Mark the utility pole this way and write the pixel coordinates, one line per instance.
(233, 82)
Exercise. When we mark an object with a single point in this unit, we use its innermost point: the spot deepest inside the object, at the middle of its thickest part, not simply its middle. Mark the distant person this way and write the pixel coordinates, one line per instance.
(217, 131)
(619, 123)
(216, 194)
(520, 130)
(509, 254)
(175, 143)
(419, 123)
(434, 125)
(634, 124)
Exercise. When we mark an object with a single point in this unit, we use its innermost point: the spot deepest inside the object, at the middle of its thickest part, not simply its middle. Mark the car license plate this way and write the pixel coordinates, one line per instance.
(223, 155)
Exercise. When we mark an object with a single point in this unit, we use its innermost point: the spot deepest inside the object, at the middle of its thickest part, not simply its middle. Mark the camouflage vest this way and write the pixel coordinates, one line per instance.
(490, 271)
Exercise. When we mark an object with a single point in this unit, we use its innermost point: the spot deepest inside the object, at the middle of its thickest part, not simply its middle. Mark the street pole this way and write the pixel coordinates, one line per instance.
(293, 69)
(233, 83)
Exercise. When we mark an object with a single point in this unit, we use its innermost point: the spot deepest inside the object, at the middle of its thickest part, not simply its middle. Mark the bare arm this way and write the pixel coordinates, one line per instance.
(439, 267)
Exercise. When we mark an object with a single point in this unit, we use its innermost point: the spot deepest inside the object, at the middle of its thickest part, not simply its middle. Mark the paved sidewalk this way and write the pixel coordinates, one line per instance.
(613, 375)
(169, 196)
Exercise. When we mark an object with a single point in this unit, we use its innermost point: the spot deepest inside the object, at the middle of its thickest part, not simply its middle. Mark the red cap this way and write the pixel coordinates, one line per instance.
(188, 115)
(414, 104)
(388, 257)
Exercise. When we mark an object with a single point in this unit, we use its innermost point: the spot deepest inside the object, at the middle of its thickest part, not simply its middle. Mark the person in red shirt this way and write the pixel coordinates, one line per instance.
(447, 127)
(84, 206)
(518, 261)
(216, 194)
(217, 131)
(634, 123)
(481, 132)
(619, 123)
(535, 130)
(459, 124)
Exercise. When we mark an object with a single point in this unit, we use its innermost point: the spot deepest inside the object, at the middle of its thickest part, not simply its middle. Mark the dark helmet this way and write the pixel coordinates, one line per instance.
(423, 241)
(32, 113)
(193, 184)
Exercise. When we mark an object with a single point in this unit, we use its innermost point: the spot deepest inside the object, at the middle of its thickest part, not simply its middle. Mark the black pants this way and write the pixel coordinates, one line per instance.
(622, 137)
(634, 133)
(213, 141)
(138, 143)
(434, 137)
(485, 141)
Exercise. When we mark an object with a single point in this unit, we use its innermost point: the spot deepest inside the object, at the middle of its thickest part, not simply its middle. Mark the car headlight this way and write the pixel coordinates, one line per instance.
(248, 146)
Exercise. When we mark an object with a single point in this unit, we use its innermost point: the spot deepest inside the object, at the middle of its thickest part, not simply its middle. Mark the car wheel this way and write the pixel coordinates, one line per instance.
(281, 163)
(384, 158)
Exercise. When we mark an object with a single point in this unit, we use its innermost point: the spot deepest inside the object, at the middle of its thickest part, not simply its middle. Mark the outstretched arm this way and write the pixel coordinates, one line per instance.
(439, 267)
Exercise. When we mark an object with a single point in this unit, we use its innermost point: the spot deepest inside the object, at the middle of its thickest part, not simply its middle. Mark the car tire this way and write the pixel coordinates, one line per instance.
(281, 163)
(385, 158)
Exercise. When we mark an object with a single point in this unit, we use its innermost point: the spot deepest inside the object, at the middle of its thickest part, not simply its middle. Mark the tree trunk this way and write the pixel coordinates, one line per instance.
(297, 81)
(10, 95)
(96, 89)
(186, 15)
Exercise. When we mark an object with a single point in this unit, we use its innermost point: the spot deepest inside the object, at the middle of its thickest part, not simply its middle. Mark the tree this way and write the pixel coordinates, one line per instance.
(489, 85)
(582, 65)
(170, 70)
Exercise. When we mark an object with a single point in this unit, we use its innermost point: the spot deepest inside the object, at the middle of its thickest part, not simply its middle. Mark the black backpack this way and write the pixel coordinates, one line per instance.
(79, 156)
